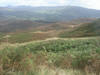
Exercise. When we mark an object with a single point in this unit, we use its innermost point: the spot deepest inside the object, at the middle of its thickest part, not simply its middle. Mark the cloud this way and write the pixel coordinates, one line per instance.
(33, 2)
(90, 3)
(85, 3)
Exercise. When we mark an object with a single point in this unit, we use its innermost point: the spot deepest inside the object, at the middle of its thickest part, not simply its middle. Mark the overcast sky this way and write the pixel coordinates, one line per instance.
(95, 4)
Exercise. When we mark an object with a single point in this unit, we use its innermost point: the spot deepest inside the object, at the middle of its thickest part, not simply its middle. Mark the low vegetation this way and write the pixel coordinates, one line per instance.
(24, 37)
(52, 57)
(87, 29)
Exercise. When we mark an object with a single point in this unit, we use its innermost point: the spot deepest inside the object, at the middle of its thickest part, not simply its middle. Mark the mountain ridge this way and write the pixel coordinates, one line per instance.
(61, 13)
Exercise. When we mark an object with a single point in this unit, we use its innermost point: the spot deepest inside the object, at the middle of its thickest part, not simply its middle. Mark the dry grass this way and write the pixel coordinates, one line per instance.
(44, 70)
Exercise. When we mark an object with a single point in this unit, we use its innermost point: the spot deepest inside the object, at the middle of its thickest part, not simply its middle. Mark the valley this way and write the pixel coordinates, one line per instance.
(27, 30)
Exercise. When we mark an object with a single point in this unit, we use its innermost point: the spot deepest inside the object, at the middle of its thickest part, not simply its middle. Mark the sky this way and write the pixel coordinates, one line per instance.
(94, 4)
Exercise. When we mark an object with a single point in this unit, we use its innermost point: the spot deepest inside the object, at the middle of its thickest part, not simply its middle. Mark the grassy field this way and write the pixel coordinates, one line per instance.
(24, 37)
(52, 57)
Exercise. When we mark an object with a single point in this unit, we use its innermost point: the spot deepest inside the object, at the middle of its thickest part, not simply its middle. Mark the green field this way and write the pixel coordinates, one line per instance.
(52, 57)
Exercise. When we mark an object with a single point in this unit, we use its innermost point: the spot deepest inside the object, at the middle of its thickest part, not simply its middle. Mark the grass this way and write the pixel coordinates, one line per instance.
(24, 37)
(2, 35)
(88, 29)
(52, 57)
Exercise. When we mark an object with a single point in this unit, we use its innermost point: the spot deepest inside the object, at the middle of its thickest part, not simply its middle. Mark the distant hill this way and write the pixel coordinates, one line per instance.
(60, 13)
(20, 25)
(13, 25)
(87, 29)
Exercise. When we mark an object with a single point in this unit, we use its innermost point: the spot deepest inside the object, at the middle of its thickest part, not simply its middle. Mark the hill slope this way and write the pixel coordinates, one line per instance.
(87, 29)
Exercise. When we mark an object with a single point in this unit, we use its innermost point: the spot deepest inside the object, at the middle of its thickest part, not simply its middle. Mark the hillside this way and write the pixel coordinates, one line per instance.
(49, 40)
(27, 30)
(51, 57)
(15, 25)
(60, 13)
(87, 29)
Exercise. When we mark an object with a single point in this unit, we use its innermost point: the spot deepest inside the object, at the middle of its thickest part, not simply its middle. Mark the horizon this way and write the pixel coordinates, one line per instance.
(91, 4)
(47, 6)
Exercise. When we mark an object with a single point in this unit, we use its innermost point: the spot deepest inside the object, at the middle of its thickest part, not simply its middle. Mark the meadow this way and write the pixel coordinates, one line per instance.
(52, 57)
